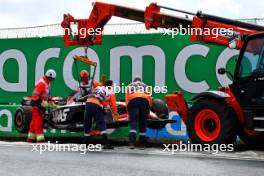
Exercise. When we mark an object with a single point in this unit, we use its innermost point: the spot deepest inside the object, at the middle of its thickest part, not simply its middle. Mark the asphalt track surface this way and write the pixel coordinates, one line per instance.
(17, 158)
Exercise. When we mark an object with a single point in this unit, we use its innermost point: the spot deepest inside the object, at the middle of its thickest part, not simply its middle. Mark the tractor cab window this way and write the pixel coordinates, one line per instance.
(252, 60)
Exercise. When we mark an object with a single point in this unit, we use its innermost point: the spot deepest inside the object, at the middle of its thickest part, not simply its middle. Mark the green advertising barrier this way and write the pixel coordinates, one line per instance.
(162, 60)
(172, 63)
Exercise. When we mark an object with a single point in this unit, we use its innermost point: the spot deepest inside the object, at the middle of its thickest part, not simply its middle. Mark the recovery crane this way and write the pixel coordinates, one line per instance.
(215, 117)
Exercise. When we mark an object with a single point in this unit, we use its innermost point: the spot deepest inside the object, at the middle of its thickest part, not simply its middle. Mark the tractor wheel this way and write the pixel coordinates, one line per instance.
(22, 119)
(211, 121)
(160, 108)
(251, 138)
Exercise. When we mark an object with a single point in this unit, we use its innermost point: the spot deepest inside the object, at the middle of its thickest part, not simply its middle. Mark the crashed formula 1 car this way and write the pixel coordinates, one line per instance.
(69, 115)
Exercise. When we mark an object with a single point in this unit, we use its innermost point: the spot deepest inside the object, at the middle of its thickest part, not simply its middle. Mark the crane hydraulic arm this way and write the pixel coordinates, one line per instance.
(202, 27)
(102, 13)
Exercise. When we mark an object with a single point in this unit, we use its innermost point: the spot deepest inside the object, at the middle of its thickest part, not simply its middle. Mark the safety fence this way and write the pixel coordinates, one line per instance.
(109, 29)
(56, 30)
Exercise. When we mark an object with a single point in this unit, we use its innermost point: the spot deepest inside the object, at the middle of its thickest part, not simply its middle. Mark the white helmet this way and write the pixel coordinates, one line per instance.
(51, 74)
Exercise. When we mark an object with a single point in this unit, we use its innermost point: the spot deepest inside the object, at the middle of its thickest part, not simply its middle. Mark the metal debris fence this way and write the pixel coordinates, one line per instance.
(114, 29)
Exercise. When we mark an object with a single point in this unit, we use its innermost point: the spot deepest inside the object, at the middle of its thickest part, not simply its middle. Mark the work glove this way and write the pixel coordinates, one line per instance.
(116, 116)
(52, 105)
(44, 104)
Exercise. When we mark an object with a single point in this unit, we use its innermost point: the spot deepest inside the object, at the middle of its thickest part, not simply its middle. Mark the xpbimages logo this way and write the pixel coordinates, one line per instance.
(141, 89)
(189, 147)
(214, 32)
(82, 32)
(51, 147)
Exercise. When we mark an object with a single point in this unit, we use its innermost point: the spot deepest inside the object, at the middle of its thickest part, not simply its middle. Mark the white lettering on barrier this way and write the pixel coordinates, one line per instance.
(21, 85)
(174, 132)
(43, 57)
(6, 113)
(179, 68)
(136, 55)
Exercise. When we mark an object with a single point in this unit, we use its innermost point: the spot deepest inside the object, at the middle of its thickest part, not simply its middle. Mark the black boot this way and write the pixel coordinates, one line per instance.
(142, 142)
(132, 140)
(105, 143)
(86, 140)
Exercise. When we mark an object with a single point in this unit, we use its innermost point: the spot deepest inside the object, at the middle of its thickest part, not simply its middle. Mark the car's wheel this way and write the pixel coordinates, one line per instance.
(22, 119)
(160, 108)
(251, 138)
(211, 122)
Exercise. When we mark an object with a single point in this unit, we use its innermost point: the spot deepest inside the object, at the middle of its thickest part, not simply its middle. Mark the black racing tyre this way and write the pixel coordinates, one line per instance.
(251, 138)
(211, 121)
(22, 119)
(160, 108)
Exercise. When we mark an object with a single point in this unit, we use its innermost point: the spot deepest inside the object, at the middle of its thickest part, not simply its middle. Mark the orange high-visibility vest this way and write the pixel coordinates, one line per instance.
(138, 90)
(98, 96)
(42, 89)
(111, 100)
